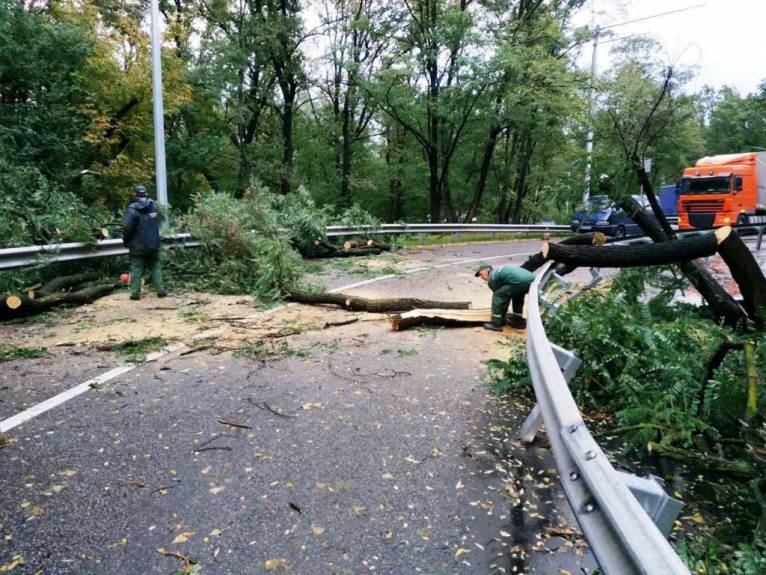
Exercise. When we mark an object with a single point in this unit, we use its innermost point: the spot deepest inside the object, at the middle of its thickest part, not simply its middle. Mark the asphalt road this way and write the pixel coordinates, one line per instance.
(352, 449)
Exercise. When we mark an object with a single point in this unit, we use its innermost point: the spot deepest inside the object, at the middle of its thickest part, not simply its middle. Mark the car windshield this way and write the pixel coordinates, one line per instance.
(596, 203)
(716, 185)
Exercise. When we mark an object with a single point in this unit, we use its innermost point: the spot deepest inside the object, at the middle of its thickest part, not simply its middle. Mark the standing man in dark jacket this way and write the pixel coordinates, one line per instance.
(141, 235)
(508, 284)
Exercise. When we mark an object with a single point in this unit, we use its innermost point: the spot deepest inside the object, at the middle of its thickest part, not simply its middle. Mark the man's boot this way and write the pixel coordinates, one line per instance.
(492, 327)
(516, 321)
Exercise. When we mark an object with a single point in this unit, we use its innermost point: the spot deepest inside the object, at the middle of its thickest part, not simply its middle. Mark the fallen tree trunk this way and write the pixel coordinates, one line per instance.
(352, 252)
(63, 282)
(27, 306)
(748, 275)
(441, 317)
(387, 305)
(637, 255)
(722, 304)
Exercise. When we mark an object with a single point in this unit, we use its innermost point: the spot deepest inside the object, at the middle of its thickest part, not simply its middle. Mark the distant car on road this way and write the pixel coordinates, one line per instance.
(600, 214)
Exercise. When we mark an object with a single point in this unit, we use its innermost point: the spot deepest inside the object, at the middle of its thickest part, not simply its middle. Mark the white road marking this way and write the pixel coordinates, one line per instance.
(64, 396)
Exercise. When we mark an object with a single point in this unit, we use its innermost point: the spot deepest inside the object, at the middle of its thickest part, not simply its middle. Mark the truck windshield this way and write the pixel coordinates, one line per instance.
(719, 185)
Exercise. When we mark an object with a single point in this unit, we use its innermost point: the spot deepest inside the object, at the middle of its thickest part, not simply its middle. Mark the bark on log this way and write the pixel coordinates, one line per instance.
(633, 256)
(387, 305)
(748, 275)
(32, 306)
(440, 317)
(722, 304)
(63, 282)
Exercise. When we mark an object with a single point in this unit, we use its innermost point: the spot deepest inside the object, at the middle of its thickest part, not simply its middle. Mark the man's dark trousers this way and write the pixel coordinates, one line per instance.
(145, 263)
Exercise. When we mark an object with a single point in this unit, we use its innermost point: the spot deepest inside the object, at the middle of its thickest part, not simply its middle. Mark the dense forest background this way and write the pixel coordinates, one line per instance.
(415, 110)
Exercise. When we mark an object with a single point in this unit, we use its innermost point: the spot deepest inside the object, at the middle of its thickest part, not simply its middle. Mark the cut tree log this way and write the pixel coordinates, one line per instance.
(350, 253)
(722, 304)
(378, 245)
(387, 305)
(441, 317)
(32, 306)
(638, 255)
(347, 245)
(536, 261)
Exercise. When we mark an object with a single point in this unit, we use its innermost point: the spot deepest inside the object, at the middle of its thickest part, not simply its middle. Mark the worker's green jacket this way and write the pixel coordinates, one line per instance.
(505, 283)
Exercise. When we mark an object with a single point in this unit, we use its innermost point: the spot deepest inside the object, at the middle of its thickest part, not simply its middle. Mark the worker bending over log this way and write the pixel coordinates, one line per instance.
(509, 285)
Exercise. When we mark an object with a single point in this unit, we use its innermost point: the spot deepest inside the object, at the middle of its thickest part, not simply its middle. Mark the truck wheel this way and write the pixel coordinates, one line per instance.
(620, 233)
(742, 220)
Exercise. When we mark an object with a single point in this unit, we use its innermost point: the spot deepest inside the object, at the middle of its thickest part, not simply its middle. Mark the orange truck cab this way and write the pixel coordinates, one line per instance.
(729, 189)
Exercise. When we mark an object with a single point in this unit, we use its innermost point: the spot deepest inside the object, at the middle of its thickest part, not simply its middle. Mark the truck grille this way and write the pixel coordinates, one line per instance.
(705, 206)
(702, 221)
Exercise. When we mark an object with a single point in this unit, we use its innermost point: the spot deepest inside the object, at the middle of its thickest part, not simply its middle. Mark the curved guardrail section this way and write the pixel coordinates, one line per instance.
(623, 537)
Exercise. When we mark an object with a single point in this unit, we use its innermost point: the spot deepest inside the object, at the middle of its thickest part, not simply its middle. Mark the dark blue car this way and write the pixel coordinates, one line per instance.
(601, 215)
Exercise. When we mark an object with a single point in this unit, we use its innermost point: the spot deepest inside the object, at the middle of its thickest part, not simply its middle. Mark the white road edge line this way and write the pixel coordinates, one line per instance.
(64, 396)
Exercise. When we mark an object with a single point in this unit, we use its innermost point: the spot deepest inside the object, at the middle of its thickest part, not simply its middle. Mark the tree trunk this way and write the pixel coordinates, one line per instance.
(640, 255)
(287, 144)
(63, 282)
(722, 304)
(346, 156)
(356, 303)
(646, 185)
(442, 317)
(334, 252)
(748, 275)
(486, 162)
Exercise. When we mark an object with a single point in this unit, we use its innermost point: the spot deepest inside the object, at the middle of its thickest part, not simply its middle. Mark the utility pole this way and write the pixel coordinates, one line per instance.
(592, 91)
(159, 123)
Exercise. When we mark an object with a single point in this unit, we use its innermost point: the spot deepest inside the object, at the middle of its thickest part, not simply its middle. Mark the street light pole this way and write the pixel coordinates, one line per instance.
(159, 123)
(591, 97)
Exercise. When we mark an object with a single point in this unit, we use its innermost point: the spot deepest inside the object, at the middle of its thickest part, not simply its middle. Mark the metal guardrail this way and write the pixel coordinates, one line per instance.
(11, 258)
(613, 510)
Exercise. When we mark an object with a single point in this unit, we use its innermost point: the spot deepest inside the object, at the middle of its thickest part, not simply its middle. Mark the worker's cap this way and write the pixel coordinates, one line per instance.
(139, 190)
(482, 267)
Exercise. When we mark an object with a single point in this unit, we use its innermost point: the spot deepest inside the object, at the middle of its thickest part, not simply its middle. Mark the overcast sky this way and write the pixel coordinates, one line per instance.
(723, 41)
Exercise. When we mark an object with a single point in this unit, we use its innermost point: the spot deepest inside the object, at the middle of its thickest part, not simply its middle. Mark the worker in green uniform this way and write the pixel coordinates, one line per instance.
(141, 235)
(509, 284)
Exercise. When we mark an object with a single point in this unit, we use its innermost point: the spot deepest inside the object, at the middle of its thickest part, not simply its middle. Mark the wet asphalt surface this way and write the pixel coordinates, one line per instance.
(354, 450)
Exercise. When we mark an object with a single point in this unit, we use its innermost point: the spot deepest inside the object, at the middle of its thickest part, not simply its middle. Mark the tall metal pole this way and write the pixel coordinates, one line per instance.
(591, 98)
(159, 123)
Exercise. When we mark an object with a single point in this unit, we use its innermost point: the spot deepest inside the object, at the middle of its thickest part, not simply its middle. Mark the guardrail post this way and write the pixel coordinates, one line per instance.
(648, 491)
(760, 238)
(569, 363)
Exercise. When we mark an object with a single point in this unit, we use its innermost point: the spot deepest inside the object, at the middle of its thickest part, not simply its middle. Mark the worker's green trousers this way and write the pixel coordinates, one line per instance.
(149, 263)
(501, 299)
